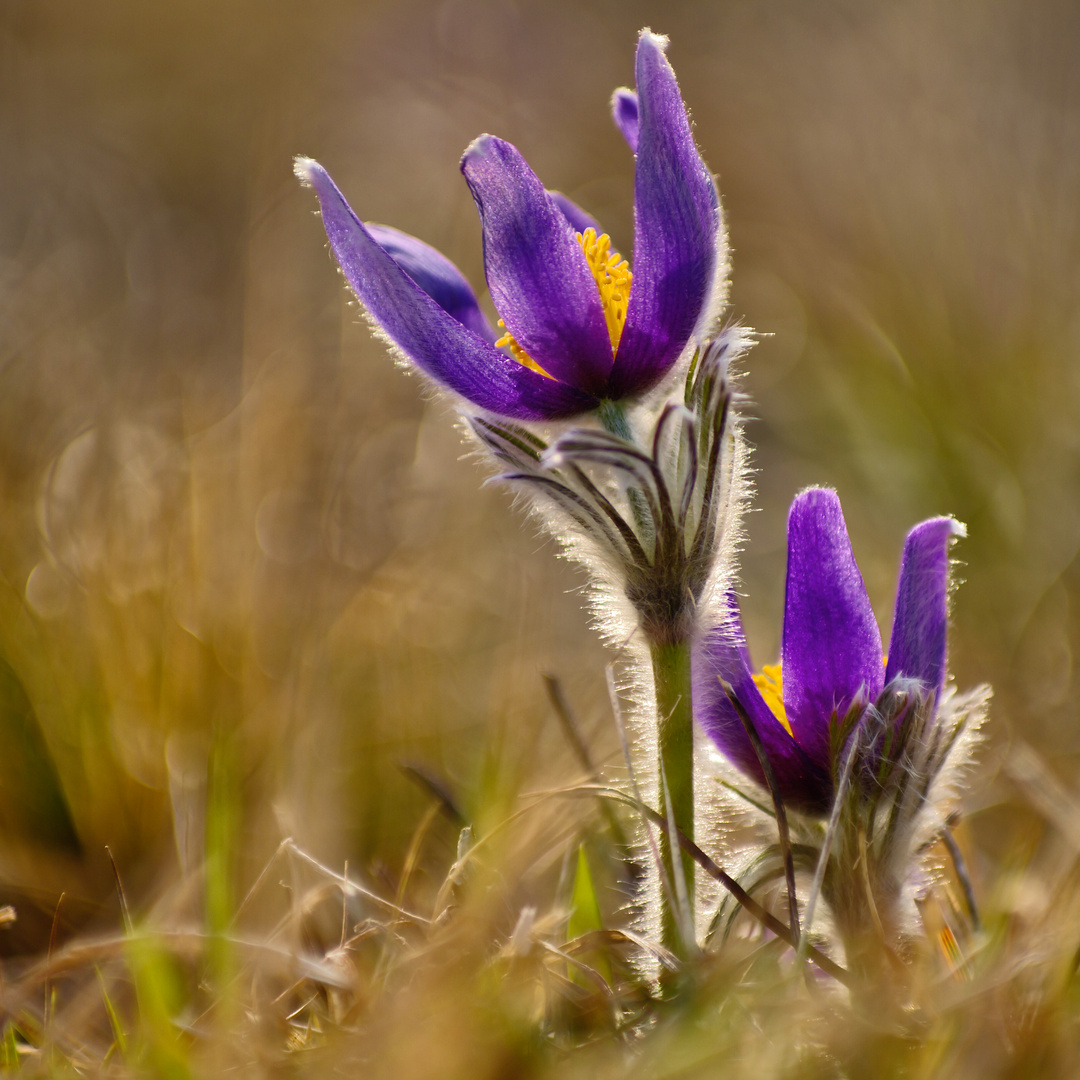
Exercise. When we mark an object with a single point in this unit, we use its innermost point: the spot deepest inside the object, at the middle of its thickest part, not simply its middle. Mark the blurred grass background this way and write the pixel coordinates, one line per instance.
(231, 532)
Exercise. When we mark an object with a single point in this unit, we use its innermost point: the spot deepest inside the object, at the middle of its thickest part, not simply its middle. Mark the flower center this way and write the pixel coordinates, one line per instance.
(611, 272)
(770, 682)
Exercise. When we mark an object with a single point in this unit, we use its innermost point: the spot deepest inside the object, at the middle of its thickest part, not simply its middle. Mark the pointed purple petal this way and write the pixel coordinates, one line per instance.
(536, 271)
(436, 275)
(579, 221)
(624, 111)
(917, 646)
(722, 655)
(678, 232)
(831, 648)
(440, 345)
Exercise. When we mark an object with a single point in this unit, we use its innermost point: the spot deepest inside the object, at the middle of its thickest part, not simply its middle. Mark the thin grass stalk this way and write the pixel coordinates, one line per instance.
(962, 876)
(572, 732)
(783, 833)
(839, 800)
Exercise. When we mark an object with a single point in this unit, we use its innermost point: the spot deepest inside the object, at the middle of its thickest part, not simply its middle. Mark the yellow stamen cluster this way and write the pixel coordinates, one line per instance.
(611, 272)
(771, 684)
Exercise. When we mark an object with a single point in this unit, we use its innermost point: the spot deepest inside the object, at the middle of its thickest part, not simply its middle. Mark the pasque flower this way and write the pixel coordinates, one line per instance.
(580, 328)
(832, 671)
(869, 749)
(647, 499)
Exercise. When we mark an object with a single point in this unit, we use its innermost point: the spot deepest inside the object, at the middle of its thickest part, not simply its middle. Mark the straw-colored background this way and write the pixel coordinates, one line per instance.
(227, 521)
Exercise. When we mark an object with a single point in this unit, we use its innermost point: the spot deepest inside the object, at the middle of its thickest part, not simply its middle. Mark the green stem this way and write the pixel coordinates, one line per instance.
(613, 419)
(671, 673)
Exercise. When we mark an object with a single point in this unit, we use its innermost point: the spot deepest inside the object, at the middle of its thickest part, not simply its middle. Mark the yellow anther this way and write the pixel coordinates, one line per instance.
(611, 272)
(519, 354)
(771, 684)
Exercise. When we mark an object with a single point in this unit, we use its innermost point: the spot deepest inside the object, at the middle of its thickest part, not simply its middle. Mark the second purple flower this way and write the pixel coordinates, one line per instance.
(832, 666)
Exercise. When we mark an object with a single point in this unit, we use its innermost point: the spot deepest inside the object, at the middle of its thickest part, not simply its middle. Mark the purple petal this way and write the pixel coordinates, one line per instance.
(624, 111)
(436, 275)
(578, 219)
(917, 646)
(722, 655)
(536, 271)
(831, 648)
(439, 344)
(678, 231)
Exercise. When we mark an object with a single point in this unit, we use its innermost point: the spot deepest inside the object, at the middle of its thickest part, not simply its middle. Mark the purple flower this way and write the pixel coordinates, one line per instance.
(580, 329)
(832, 669)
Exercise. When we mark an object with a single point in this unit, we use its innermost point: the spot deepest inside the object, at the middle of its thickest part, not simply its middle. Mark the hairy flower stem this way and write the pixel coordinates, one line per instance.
(613, 419)
(659, 589)
(671, 674)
